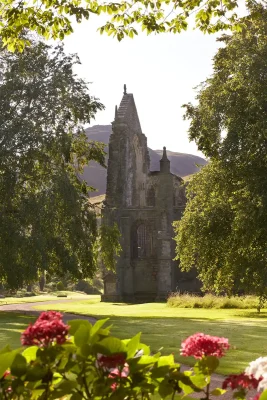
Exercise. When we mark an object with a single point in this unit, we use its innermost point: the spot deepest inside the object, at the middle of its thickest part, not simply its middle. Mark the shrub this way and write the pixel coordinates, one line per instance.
(60, 286)
(210, 301)
(80, 361)
(29, 294)
(86, 287)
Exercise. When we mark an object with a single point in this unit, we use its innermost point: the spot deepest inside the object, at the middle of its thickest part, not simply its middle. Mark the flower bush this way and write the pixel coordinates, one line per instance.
(83, 361)
(200, 345)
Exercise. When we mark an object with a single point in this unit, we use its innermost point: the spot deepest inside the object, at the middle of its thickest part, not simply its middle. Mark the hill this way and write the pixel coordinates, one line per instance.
(95, 175)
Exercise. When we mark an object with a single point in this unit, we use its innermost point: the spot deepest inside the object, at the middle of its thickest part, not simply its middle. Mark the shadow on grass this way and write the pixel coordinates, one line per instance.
(255, 314)
(247, 339)
(11, 326)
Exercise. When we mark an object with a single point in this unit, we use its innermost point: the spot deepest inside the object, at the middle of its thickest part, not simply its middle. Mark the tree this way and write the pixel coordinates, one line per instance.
(224, 228)
(53, 18)
(46, 221)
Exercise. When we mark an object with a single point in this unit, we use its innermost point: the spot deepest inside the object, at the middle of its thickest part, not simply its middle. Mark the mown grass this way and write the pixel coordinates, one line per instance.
(46, 297)
(211, 301)
(165, 327)
(11, 326)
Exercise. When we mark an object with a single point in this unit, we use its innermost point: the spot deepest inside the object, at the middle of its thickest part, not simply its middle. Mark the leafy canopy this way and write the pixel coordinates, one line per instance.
(46, 220)
(224, 229)
(54, 18)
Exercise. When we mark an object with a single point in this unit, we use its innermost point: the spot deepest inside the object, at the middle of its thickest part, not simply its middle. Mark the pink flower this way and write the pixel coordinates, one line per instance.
(118, 374)
(49, 328)
(241, 381)
(200, 345)
(114, 386)
(111, 361)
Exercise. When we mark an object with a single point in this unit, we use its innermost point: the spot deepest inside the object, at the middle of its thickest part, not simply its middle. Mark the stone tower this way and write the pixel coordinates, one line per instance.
(144, 204)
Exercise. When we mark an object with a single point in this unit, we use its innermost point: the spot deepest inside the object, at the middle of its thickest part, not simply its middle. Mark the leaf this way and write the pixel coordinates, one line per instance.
(217, 392)
(165, 390)
(36, 373)
(30, 353)
(144, 348)
(63, 388)
(186, 388)
(5, 349)
(97, 326)
(76, 323)
(19, 366)
(85, 350)
(82, 335)
(6, 360)
(147, 360)
(207, 365)
(200, 380)
(166, 360)
(263, 396)
(133, 345)
(111, 345)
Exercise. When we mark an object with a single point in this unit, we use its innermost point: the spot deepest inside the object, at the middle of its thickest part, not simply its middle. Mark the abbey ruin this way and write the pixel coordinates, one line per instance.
(144, 204)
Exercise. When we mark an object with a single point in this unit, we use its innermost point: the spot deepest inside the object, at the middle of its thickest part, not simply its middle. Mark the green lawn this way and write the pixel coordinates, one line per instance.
(46, 297)
(166, 327)
(11, 326)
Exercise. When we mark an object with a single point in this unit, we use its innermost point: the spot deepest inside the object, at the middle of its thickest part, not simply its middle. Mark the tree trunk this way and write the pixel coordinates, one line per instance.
(29, 287)
(42, 282)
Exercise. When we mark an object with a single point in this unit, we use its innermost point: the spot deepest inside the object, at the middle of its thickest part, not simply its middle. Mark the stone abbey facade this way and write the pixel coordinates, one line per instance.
(144, 204)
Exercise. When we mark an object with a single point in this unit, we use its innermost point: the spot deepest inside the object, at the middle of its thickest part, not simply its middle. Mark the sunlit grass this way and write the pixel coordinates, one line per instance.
(47, 297)
(11, 326)
(166, 327)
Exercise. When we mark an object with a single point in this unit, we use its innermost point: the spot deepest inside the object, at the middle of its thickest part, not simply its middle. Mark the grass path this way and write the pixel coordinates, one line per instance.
(166, 327)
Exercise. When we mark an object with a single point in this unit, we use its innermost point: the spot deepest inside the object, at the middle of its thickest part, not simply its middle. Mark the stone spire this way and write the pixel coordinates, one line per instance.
(164, 162)
(127, 114)
(116, 112)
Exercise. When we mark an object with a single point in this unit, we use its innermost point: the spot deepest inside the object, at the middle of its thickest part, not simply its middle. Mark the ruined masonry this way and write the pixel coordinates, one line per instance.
(144, 204)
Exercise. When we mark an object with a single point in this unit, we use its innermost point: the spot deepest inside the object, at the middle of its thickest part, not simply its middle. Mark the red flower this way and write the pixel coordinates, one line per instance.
(7, 373)
(111, 361)
(48, 329)
(241, 381)
(49, 316)
(200, 345)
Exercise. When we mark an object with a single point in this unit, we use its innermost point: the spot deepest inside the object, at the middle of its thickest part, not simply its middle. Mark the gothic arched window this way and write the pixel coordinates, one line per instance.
(141, 240)
(139, 243)
(151, 197)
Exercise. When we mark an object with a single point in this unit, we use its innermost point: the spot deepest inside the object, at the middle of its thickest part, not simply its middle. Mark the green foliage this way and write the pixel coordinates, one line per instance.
(46, 221)
(93, 364)
(210, 301)
(110, 247)
(88, 287)
(53, 18)
(224, 228)
(60, 286)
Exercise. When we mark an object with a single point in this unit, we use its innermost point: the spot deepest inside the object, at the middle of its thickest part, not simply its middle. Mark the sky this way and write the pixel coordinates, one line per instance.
(160, 70)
